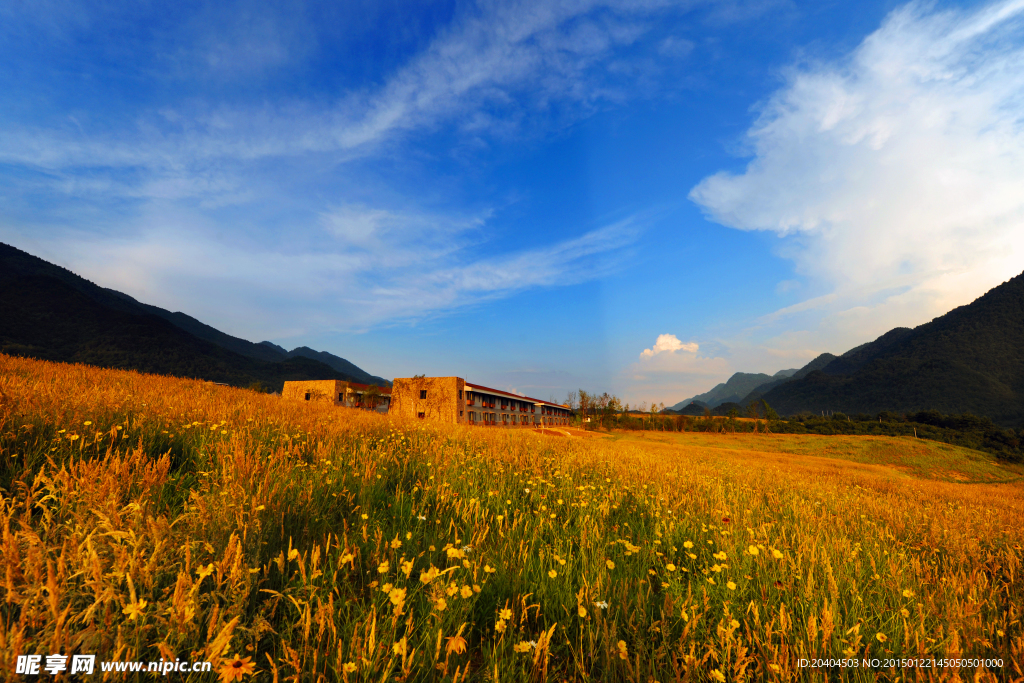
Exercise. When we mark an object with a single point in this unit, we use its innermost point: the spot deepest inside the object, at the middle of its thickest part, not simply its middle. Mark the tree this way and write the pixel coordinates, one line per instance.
(585, 400)
(371, 398)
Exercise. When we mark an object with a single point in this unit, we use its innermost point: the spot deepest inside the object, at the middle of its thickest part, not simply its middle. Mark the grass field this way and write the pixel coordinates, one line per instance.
(148, 518)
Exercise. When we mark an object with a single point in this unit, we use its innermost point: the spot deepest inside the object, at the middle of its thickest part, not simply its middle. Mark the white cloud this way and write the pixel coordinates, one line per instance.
(492, 64)
(894, 177)
(668, 343)
(381, 267)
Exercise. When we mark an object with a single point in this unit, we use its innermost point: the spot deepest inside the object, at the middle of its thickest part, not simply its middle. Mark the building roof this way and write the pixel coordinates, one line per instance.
(482, 389)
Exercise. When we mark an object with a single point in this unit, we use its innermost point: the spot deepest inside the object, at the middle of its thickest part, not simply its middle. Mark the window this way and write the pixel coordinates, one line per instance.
(341, 397)
(421, 415)
(460, 394)
(460, 413)
(423, 393)
(307, 395)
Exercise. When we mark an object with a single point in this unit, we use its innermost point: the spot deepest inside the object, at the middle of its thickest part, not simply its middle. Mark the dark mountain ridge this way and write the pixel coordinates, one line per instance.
(970, 360)
(818, 363)
(48, 312)
(737, 386)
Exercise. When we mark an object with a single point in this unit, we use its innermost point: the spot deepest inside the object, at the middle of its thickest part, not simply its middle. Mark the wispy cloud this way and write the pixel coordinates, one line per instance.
(352, 282)
(492, 64)
(180, 182)
(894, 176)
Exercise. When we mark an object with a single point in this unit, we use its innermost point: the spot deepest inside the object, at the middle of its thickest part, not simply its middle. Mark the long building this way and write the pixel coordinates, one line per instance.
(453, 399)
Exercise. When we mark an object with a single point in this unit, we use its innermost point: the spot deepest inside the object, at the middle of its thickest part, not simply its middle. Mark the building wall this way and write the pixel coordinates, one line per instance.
(447, 400)
(319, 390)
(444, 398)
(327, 390)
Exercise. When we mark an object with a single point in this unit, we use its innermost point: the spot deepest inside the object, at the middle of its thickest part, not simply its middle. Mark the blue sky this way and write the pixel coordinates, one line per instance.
(639, 198)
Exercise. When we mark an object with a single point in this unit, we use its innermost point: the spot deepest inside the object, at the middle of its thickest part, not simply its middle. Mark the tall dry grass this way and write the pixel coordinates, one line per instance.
(147, 517)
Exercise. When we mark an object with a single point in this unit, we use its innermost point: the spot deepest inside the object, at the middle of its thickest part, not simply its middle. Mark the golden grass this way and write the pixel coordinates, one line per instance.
(147, 517)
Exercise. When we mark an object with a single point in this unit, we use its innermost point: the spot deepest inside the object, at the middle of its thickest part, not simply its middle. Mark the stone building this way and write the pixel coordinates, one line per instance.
(453, 399)
(340, 393)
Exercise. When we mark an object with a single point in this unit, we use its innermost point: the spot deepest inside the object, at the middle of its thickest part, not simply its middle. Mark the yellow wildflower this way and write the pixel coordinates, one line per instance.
(233, 669)
(609, 564)
(134, 609)
(505, 614)
(456, 644)
(466, 592)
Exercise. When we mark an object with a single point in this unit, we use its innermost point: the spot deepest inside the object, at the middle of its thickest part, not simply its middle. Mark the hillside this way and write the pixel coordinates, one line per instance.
(48, 312)
(817, 364)
(738, 386)
(970, 360)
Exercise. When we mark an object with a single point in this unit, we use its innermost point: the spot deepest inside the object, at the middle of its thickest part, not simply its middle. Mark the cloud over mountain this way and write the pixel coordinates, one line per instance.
(894, 175)
(668, 343)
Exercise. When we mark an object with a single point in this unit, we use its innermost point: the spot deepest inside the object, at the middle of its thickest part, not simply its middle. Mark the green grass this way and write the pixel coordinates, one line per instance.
(219, 521)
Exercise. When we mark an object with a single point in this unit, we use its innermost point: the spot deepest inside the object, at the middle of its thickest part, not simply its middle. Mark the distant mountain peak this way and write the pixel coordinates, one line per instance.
(275, 347)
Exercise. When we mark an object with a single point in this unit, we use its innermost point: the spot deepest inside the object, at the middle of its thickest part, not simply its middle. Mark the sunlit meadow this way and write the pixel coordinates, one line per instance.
(149, 518)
